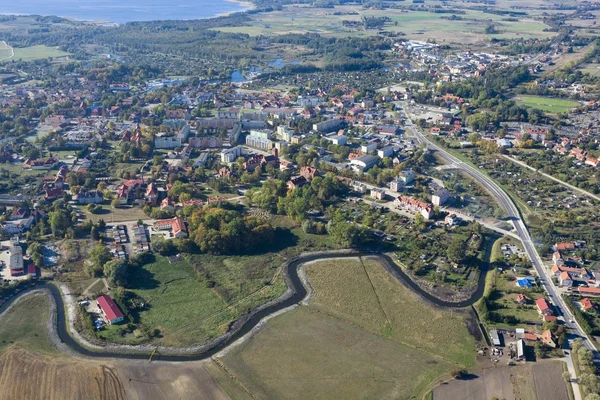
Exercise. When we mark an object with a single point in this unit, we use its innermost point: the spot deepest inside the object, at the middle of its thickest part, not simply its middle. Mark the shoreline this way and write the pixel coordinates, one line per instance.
(245, 4)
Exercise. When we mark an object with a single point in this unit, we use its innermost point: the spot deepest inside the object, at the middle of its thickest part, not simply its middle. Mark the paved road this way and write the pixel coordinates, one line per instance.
(522, 232)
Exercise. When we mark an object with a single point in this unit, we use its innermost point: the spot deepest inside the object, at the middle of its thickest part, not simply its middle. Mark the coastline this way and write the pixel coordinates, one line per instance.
(245, 4)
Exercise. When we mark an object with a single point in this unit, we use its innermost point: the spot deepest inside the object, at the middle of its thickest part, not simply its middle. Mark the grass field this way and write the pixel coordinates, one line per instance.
(110, 214)
(25, 325)
(547, 104)
(5, 51)
(363, 335)
(592, 69)
(195, 300)
(415, 24)
(38, 52)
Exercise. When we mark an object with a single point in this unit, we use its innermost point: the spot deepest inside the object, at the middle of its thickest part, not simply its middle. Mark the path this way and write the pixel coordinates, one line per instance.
(296, 293)
(575, 188)
(12, 52)
(86, 292)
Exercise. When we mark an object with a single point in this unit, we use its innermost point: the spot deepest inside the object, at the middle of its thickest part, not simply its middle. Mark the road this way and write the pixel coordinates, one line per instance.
(522, 232)
(12, 52)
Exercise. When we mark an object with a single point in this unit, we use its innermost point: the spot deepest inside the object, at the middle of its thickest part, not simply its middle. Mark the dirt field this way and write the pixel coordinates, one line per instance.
(542, 380)
(549, 382)
(26, 375)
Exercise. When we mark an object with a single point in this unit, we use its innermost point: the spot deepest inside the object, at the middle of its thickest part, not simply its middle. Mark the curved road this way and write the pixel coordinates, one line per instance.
(246, 323)
(520, 228)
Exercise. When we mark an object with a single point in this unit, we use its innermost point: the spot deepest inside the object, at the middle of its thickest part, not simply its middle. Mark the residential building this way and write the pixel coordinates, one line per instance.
(397, 185)
(564, 279)
(176, 225)
(296, 182)
(371, 146)
(259, 143)
(521, 299)
(440, 197)
(377, 194)
(385, 152)
(230, 155)
(327, 126)
(548, 339)
(586, 305)
(407, 176)
(451, 219)
(167, 142)
(358, 187)
(90, 196)
(408, 203)
(543, 307)
(15, 260)
(110, 309)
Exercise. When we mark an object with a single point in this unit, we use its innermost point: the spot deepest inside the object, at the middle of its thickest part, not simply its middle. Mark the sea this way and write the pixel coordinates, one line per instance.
(121, 11)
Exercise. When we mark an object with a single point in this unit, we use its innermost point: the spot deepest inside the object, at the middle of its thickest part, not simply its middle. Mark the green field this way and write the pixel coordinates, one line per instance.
(25, 325)
(418, 25)
(193, 305)
(548, 104)
(363, 335)
(5, 51)
(37, 53)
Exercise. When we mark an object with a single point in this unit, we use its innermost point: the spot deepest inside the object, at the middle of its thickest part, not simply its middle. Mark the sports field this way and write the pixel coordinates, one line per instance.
(547, 104)
(363, 335)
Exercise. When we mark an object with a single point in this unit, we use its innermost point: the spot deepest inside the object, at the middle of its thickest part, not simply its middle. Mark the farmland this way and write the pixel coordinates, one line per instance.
(541, 380)
(415, 24)
(547, 104)
(390, 344)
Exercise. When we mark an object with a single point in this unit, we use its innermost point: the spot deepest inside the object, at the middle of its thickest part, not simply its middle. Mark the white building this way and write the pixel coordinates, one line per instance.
(397, 185)
(259, 142)
(230, 155)
(407, 176)
(371, 146)
(358, 187)
(285, 133)
(166, 142)
(377, 194)
(385, 152)
(15, 261)
(363, 162)
(339, 140)
(440, 197)
(327, 126)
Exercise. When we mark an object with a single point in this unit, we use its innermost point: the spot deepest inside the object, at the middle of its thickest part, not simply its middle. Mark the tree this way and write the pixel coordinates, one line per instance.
(58, 222)
(98, 256)
(36, 251)
(456, 251)
(116, 270)
(419, 222)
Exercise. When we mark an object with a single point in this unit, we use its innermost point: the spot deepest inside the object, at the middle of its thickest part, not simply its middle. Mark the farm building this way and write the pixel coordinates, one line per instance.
(109, 309)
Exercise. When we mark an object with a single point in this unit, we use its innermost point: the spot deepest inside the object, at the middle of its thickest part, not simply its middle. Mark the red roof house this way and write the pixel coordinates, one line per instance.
(586, 304)
(543, 306)
(110, 309)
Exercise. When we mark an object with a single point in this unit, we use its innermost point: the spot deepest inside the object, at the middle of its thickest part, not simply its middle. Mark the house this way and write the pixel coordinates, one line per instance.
(588, 291)
(296, 182)
(543, 307)
(364, 162)
(451, 219)
(530, 337)
(440, 197)
(586, 305)
(358, 187)
(110, 310)
(308, 172)
(127, 191)
(548, 339)
(557, 259)
(90, 196)
(167, 205)
(151, 195)
(377, 194)
(385, 152)
(564, 279)
(521, 299)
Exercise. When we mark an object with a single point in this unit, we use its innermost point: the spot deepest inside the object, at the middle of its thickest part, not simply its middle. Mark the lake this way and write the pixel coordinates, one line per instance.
(121, 11)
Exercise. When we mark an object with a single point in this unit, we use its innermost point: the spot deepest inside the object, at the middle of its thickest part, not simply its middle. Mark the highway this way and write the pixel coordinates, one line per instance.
(520, 228)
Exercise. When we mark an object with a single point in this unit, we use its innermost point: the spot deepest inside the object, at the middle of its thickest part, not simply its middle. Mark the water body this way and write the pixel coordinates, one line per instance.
(120, 11)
